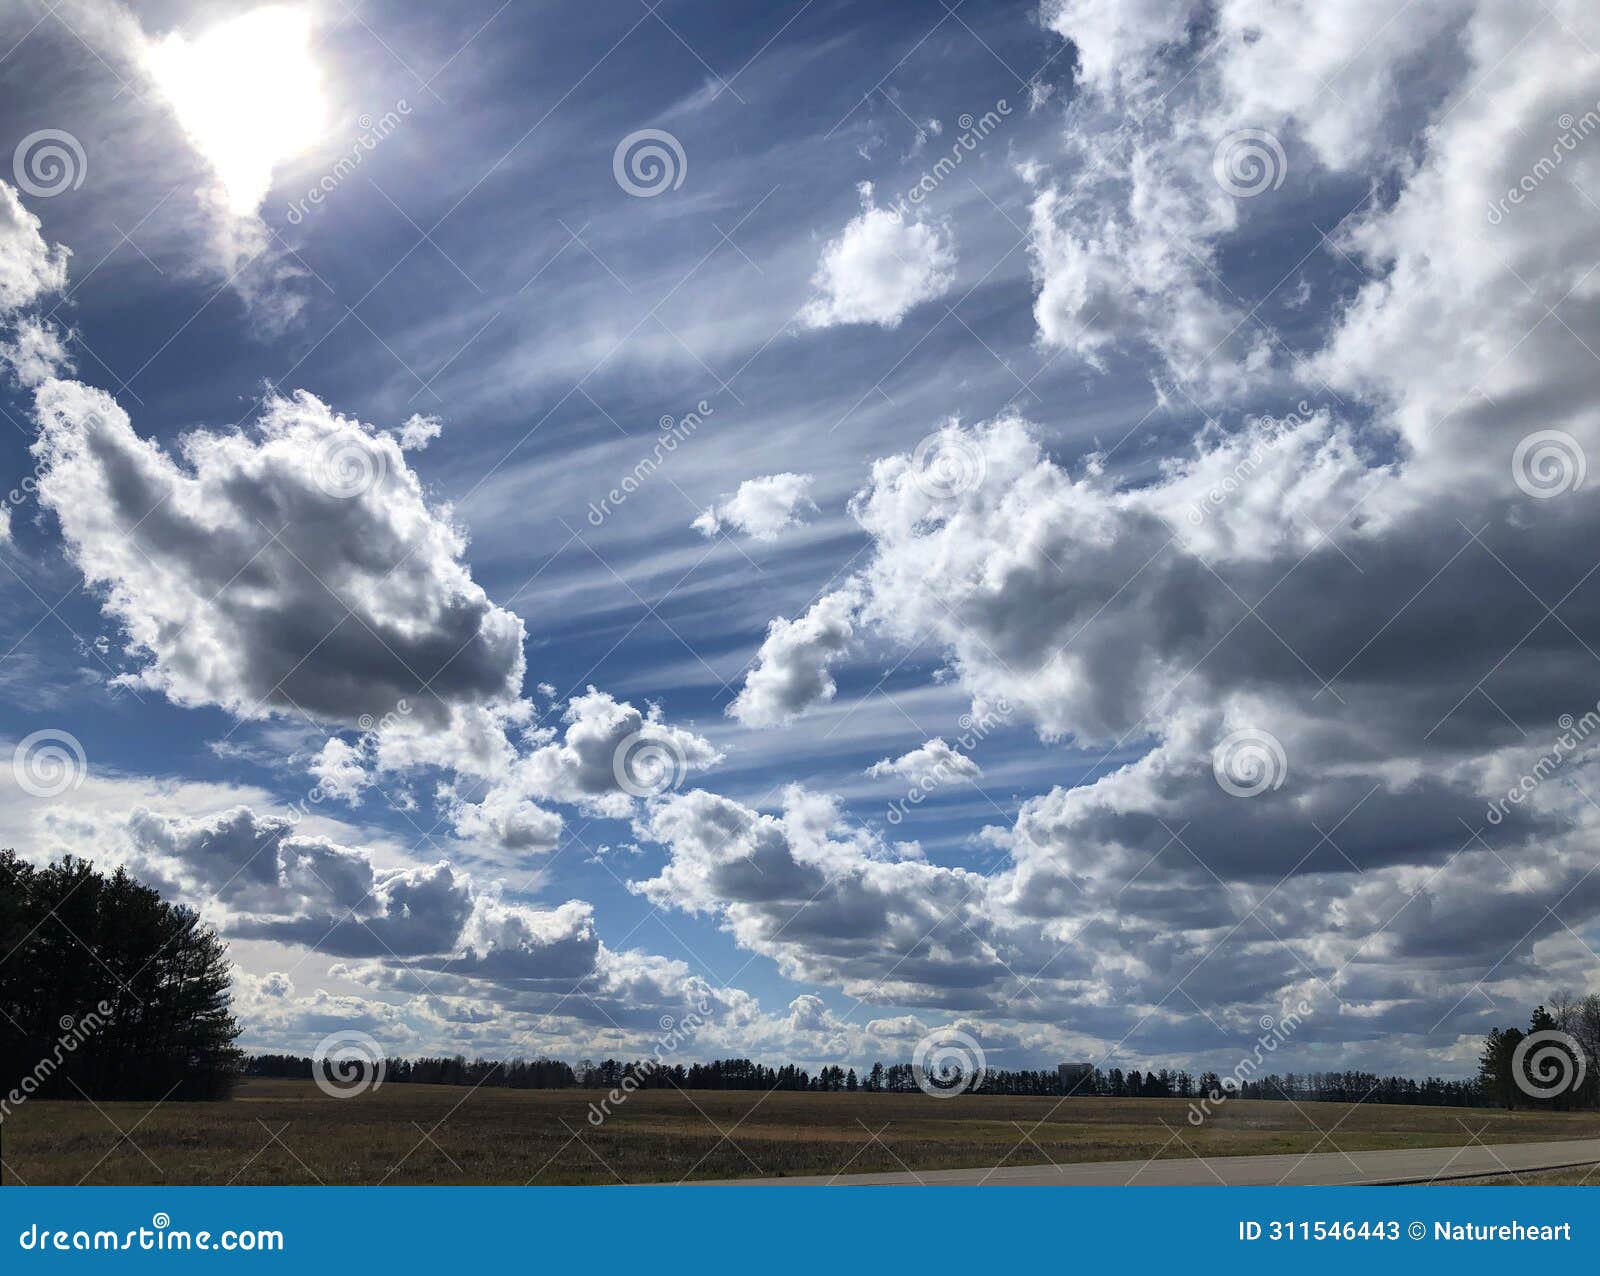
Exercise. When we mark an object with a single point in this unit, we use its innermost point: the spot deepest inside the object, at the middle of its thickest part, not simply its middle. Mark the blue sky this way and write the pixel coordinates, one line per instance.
(1188, 408)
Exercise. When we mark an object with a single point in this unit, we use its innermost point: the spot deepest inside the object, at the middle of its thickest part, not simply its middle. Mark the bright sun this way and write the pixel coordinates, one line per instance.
(248, 95)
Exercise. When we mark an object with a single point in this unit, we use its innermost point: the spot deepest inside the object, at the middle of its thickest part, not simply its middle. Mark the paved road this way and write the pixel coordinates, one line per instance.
(1408, 1166)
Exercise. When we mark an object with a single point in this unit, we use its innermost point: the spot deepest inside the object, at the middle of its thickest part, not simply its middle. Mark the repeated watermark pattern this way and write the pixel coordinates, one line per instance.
(48, 763)
(1574, 731)
(948, 1062)
(48, 162)
(373, 131)
(674, 433)
(1549, 1063)
(349, 464)
(945, 465)
(1249, 762)
(1274, 1033)
(74, 1032)
(646, 765)
(1573, 131)
(347, 1063)
(1549, 463)
(675, 1033)
(948, 767)
(973, 132)
(1248, 162)
(648, 162)
(1219, 493)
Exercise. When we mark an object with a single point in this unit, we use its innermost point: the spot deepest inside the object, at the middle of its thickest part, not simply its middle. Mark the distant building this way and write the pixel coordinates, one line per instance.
(1073, 1075)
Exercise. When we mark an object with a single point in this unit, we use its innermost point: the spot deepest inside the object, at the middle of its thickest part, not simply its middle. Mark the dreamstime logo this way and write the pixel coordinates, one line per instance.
(1548, 463)
(1274, 1033)
(349, 465)
(1548, 1063)
(402, 709)
(75, 1031)
(1248, 162)
(373, 131)
(674, 1034)
(48, 763)
(1573, 130)
(347, 1063)
(946, 464)
(646, 765)
(973, 131)
(673, 434)
(648, 162)
(1245, 469)
(947, 1062)
(1249, 762)
(48, 162)
(973, 731)
(1574, 731)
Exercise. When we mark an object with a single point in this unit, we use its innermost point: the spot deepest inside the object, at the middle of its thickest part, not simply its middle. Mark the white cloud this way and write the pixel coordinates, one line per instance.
(932, 760)
(879, 269)
(762, 508)
(419, 431)
(339, 771)
(29, 268)
(791, 673)
(610, 756)
(1187, 113)
(35, 352)
(296, 570)
(1346, 585)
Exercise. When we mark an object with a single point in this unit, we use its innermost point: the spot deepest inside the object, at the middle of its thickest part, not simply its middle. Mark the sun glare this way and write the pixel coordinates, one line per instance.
(248, 95)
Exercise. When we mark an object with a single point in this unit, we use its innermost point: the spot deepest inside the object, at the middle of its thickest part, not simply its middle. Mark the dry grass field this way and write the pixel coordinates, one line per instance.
(289, 1132)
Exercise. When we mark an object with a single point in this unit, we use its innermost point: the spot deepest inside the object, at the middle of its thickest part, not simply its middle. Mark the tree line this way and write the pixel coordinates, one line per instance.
(107, 991)
(896, 1078)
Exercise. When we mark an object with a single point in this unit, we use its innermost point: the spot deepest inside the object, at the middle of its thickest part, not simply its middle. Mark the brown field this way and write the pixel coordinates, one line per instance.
(289, 1132)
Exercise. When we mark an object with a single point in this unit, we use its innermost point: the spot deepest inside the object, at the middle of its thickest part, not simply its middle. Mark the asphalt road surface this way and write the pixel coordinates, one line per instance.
(1411, 1165)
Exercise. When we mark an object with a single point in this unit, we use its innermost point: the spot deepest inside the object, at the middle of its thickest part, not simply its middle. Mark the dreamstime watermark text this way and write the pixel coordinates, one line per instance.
(1275, 1032)
(1574, 731)
(74, 1032)
(674, 433)
(373, 131)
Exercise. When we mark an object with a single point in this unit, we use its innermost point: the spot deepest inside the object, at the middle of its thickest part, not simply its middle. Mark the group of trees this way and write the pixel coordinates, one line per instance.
(1555, 1064)
(107, 991)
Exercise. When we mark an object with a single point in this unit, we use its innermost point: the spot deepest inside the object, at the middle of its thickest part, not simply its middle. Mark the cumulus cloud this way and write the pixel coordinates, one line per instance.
(762, 508)
(879, 269)
(31, 347)
(339, 771)
(1187, 113)
(277, 884)
(295, 569)
(29, 267)
(608, 756)
(1345, 639)
(791, 673)
(419, 431)
(34, 352)
(299, 570)
(1323, 656)
(933, 759)
(826, 904)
